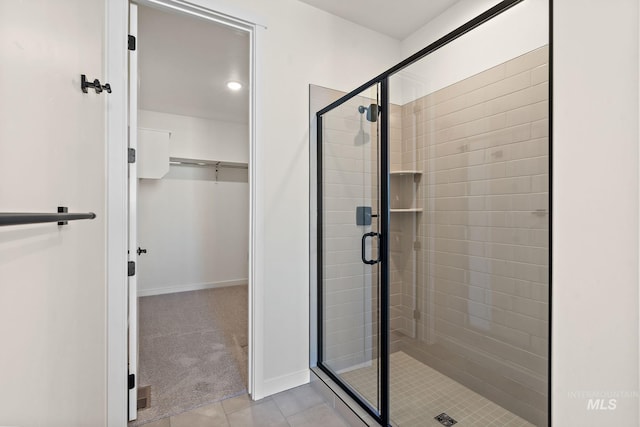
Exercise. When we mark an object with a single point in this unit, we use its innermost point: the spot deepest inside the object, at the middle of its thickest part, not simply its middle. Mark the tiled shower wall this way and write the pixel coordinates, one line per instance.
(350, 287)
(481, 285)
(350, 163)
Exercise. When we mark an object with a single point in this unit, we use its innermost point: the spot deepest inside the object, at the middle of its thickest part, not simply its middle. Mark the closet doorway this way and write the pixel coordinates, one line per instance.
(189, 199)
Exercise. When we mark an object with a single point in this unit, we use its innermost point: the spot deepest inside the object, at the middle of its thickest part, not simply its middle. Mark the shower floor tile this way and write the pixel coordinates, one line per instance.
(418, 393)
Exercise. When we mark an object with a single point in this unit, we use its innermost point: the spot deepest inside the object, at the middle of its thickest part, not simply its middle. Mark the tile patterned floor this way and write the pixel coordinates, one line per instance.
(418, 393)
(300, 407)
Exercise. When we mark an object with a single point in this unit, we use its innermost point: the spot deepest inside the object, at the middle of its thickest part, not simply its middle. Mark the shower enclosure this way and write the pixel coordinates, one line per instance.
(432, 232)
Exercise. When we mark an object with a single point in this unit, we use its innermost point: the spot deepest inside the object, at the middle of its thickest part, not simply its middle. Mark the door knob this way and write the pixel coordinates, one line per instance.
(141, 251)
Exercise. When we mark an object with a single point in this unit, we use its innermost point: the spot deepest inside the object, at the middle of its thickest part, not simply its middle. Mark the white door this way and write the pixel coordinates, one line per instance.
(133, 199)
(52, 153)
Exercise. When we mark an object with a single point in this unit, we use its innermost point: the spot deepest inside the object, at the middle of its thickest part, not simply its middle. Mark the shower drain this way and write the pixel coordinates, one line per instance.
(445, 419)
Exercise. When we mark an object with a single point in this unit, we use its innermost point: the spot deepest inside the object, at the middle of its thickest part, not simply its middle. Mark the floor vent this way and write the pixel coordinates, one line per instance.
(144, 397)
(445, 419)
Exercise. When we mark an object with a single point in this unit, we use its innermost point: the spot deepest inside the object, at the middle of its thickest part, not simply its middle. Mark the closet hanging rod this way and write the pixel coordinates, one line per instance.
(207, 163)
(61, 217)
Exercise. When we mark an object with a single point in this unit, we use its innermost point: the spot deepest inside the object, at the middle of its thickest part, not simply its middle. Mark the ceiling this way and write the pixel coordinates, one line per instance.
(397, 19)
(185, 63)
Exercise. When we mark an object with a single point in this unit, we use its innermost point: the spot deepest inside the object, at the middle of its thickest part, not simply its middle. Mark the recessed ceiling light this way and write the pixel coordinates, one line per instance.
(234, 85)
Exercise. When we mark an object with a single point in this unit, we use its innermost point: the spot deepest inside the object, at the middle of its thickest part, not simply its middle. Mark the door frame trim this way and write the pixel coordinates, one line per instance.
(116, 124)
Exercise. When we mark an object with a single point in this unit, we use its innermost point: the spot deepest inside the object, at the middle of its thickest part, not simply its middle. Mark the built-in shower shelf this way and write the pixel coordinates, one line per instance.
(407, 172)
(406, 210)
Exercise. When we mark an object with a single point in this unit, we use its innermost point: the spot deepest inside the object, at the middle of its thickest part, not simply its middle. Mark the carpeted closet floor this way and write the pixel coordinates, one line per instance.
(193, 349)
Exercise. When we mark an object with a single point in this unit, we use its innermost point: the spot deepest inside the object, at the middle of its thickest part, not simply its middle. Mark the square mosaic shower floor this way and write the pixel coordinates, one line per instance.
(419, 393)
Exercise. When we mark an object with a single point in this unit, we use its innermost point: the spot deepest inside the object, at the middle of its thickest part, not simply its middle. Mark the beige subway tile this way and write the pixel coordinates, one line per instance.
(465, 115)
(509, 185)
(532, 148)
(471, 128)
(525, 271)
(533, 255)
(529, 113)
(519, 202)
(501, 267)
(539, 345)
(478, 188)
(510, 335)
(469, 99)
(498, 202)
(529, 166)
(499, 300)
(517, 355)
(540, 183)
(539, 238)
(452, 316)
(530, 219)
(508, 85)
(478, 278)
(480, 234)
(521, 98)
(528, 61)
(538, 92)
(499, 251)
(540, 74)
(511, 388)
(540, 128)
(540, 291)
(449, 148)
(532, 308)
(521, 322)
(449, 273)
(469, 84)
(450, 231)
(502, 285)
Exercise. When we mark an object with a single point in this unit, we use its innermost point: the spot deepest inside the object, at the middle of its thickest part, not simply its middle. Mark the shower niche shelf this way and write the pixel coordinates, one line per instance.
(404, 188)
(406, 172)
(400, 210)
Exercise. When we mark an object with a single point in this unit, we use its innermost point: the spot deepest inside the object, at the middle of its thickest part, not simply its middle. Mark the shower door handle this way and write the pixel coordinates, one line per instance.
(364, 241)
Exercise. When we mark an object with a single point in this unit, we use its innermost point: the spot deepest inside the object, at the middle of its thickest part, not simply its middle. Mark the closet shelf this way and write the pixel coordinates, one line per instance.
(405, 210)
(207, 163)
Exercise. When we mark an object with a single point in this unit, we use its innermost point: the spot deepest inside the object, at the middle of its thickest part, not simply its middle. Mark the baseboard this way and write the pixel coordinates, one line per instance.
(282, 383)
(191, 287)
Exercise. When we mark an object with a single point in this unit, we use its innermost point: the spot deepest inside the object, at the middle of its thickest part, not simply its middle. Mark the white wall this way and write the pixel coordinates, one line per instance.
(514, 32)
(52, 152)
(595, 202)
(198, 138)
(195, 228)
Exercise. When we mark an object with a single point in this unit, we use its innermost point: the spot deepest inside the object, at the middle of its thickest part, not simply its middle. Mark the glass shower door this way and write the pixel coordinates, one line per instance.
(349, 256)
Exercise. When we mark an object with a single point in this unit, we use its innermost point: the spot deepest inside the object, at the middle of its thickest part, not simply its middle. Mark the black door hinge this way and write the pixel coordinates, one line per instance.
(131, 268)
(132, 155)
(131, 42)
(132, 381)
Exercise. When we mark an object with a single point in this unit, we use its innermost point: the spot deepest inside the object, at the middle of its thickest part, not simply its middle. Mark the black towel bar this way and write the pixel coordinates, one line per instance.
(19, 218)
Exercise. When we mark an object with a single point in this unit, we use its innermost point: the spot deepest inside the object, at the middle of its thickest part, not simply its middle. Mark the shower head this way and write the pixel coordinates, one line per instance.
(372, 112)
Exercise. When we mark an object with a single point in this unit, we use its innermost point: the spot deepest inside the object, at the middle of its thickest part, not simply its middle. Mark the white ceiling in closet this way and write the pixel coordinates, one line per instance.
(185, 63)
(397, 18)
